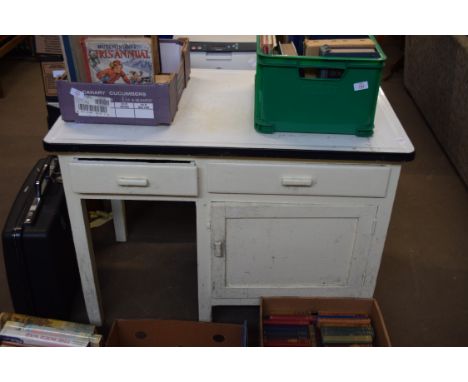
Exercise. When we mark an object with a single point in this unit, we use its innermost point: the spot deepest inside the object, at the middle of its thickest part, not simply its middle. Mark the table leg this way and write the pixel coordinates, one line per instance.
(85, 257)
(203, 262)
(120, 226)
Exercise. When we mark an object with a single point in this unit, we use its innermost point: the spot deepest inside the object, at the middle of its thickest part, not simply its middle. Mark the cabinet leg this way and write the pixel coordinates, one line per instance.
(204, 312)
(204, 262)
(120, 226)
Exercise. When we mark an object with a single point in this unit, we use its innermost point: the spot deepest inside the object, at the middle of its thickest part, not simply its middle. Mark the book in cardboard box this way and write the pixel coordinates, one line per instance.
(113, 60)
(342, 321)
(131, 104)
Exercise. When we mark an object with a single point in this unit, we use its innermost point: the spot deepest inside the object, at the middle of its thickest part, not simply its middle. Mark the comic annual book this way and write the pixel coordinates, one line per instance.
(118, 60)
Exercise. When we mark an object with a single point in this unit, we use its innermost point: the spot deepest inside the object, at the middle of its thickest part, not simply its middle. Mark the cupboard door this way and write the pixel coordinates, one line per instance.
(289, 249)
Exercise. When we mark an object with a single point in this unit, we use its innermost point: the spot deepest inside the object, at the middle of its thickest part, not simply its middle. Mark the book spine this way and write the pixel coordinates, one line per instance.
(286, 322)
(68, 58)
(11, 339)
(343, 322)
(347, 339)
(285, 328)
(292, 317)
(327, 314)
(86, 59)
(340, 331)
(286, 343)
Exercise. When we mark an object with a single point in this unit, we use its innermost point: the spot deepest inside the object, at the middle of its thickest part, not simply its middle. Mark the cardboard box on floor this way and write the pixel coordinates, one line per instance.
(171, 333)
(151, 104)
(303, 305)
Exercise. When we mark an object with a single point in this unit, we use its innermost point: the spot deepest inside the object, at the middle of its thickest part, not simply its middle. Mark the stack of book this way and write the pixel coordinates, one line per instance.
(318, 46)
(324, 328)
(345, 329)
(289, 330)
(22, 330)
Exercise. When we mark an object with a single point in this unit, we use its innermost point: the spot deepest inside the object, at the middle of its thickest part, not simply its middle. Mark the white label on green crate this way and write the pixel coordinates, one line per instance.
(361, 86)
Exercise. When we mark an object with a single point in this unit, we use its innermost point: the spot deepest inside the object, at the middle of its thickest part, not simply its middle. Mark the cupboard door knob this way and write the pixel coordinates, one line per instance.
(218, 249)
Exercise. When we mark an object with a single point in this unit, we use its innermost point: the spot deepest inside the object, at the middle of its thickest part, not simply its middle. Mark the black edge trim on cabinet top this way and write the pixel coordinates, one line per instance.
(229, 151)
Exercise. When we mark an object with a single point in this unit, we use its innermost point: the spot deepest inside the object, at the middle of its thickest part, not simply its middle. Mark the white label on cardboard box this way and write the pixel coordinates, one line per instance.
(144, 110)
(361, 86)
(92, 106)
(77, 93)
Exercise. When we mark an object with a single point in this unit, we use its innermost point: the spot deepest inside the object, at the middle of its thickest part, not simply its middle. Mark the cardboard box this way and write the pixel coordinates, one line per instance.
(151, 104)
(303, 305)
(157, 333)
(312, 47)
(48, 45)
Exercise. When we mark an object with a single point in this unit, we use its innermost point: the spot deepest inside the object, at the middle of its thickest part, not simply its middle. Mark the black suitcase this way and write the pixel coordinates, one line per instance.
(38, 247)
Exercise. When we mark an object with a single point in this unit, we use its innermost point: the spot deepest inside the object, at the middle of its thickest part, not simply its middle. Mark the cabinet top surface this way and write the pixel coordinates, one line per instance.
(216, 117)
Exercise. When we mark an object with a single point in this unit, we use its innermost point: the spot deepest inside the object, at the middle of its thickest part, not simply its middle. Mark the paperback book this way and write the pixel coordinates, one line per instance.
(23, 330)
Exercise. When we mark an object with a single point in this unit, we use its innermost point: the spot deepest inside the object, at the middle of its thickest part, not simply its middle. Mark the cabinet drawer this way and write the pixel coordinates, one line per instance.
(138, 178)
(300, 179)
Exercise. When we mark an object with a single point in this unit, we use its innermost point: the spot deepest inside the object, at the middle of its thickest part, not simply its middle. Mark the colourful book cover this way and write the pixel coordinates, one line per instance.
(72, 327)
(18, 332)
(118, 60)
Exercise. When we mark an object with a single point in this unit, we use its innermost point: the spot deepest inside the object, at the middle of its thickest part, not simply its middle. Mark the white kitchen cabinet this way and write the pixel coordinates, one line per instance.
(277, 214)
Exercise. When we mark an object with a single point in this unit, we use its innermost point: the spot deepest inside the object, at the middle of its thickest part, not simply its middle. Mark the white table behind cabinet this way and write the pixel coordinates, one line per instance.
(281, 214)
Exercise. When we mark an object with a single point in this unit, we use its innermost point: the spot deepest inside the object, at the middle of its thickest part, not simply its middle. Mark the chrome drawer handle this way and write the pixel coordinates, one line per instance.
(133, 182)
(298, 181)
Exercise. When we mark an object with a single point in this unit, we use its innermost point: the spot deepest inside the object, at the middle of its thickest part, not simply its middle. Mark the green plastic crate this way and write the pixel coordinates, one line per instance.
(285, 100)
